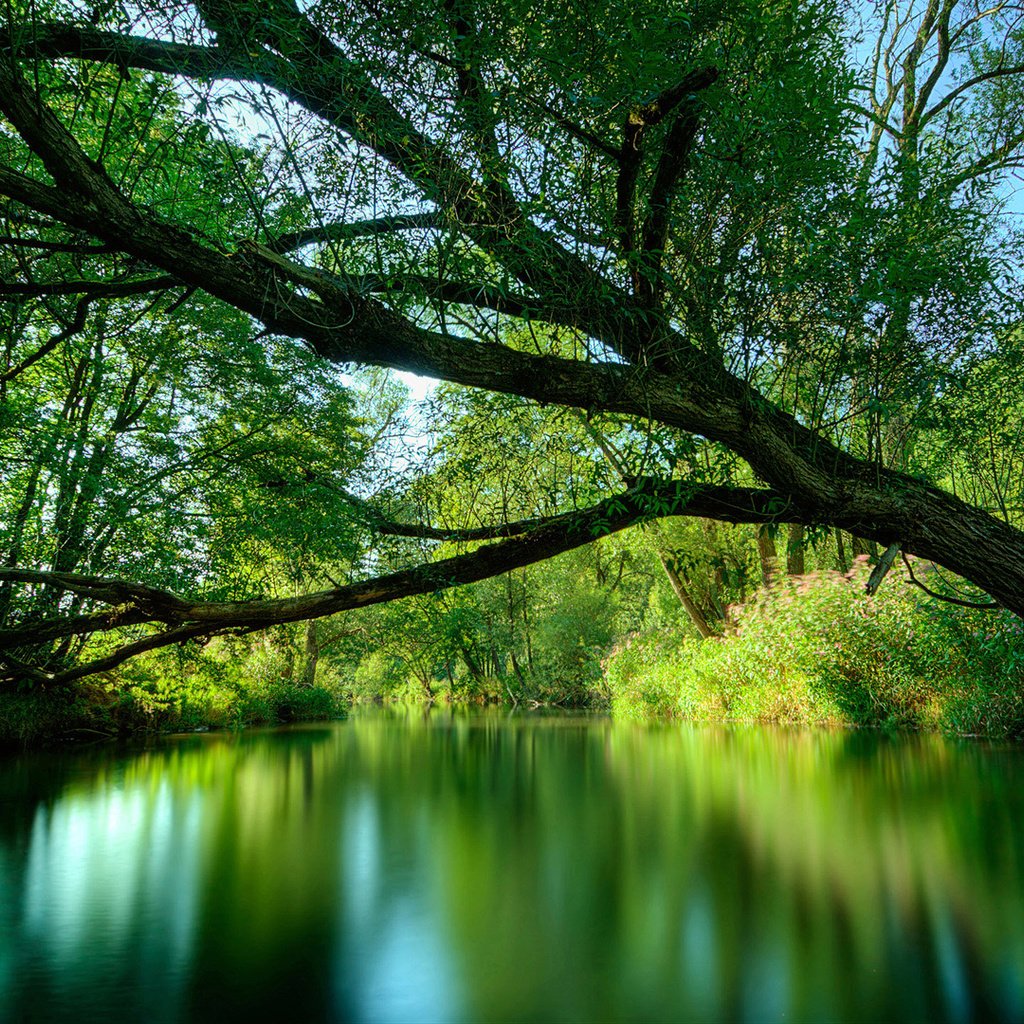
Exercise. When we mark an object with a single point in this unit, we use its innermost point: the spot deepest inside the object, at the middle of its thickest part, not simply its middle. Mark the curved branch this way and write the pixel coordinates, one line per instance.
(344, 231)
(970, 83)
(297, 60)
(135, 604)
(987, 605)
(92, 289)
(695, 394)
(77, 325)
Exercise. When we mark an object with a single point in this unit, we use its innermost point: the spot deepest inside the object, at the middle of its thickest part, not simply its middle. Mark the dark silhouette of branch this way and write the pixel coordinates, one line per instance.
(942, 597)
(631, 154)
(135, 604)
(77, 324)
(92, 289)
(344, 231)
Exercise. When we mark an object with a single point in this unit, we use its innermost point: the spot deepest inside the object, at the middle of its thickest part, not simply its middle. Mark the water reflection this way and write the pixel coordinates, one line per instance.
(464, 868)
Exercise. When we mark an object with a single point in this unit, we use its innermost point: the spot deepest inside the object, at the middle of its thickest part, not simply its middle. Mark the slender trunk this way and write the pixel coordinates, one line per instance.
(768, 555)
(311, 654)
(841, 552)
(691, 607)
(863, 547)
(679, 587)
(795, 550)
(475, 671)
(516, 668)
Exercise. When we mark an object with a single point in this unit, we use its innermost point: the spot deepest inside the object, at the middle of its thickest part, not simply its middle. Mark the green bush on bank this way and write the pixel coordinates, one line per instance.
(173, 691)
(819, 651)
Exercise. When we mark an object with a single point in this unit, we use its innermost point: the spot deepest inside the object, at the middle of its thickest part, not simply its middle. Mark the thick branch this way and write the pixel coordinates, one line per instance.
(631, 153)
(672, 165)
(294, 58)
(135, 603)
(343, 232)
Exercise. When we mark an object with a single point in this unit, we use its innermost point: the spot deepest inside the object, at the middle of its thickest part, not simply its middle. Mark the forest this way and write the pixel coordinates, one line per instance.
(660, 357)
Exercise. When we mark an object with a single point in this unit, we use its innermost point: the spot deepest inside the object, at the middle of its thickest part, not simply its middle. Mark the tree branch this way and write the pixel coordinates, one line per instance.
(294, 58)
(696, 394)
(135, 603)
(343, 232)
(77, 324)
(672, 165)
(881, 570)
(943, 597)
(954, 94)
(631, 154)
(93, 289)
(576, 131)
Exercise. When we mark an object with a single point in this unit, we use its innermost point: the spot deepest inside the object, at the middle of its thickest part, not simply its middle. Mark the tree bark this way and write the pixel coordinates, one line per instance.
(768, 556)
(693, 610)
(310, 654)
(795, 550)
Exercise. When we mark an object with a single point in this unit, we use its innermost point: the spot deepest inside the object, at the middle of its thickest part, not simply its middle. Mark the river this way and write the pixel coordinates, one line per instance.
(451, 867)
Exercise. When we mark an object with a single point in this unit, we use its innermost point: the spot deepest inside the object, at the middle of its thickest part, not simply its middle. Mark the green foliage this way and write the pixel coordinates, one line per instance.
(378, 676)
(226, 685)
(821, 651)
(573, 636)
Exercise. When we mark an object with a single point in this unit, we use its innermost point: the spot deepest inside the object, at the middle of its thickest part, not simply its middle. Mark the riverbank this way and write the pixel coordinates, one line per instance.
(97, 709)
(818, 651)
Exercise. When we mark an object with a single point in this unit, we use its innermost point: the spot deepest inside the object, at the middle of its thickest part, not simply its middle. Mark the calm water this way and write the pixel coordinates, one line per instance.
(514, 868)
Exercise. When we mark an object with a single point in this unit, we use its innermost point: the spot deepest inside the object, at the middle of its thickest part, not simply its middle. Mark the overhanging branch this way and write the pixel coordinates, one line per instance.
(134, 604)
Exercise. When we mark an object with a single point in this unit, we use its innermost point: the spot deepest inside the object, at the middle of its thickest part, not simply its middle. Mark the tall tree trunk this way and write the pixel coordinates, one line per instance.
(841, 552)
(795, 550)
(311, 654)
(768, 555)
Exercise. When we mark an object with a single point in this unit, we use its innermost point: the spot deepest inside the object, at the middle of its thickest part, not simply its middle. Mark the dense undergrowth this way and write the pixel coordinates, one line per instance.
(820, 651)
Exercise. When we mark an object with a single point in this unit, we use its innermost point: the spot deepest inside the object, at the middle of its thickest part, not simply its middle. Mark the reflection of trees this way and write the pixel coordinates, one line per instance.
(515, 868)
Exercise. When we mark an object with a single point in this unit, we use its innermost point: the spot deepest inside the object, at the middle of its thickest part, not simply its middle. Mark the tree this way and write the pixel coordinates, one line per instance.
(663, 188)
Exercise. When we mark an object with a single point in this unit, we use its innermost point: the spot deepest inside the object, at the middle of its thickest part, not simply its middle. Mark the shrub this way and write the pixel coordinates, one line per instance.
(819, 650)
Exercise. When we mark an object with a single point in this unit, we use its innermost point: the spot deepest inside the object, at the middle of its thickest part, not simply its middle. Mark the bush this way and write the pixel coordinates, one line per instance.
(171, 691)
(819, 650)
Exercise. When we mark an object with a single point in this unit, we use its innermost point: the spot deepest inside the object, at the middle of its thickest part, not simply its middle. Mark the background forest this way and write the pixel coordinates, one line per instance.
(824, 207)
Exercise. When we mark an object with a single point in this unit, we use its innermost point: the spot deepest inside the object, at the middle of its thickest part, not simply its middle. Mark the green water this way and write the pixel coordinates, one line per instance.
(514, 868)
